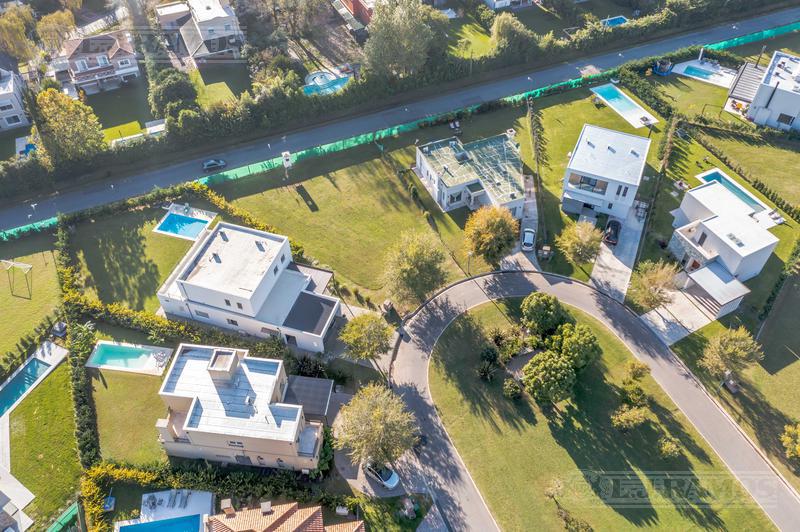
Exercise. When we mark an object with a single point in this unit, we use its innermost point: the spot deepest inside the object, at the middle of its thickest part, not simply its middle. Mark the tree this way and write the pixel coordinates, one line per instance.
(67, 129)
(577, 342)
(49, 83)
(510, 36)
(414, 267)
(669, 447)
(491, 232)
(375, 425)
(549, 376)
(791, 440)
(53, 29)
(511, 389)
(731, 350)
(15, 24)
(366, 337)
(172, 90)
(651, 283)
(637, 370)
(628, 417)
(579, 242)
(542, 313)
(399, 38)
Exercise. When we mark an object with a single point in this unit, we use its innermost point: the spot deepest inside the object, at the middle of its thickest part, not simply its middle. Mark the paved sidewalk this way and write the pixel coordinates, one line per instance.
(677, 319)
(460, 500)
(614, 264)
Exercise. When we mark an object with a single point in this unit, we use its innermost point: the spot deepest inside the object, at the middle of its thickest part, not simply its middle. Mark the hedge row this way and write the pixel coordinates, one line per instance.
(13, 359)
(789, 268)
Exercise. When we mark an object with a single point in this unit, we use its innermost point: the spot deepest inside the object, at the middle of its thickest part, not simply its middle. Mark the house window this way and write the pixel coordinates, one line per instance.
(283, 258)
(102, 60)
(6, 105)
(625, 192)
(239, 306)
(81, 65)
(227, 27)
(211, 31)
(610, 205)
(454, 198)
(11, 120)
(201, 314)
(589, 184)
(228, 302)
(619, 189)
(785, 119)
(233, 322)
(238, 444)
(267, 330)
(124, 62)
(275, 270)
(702, 239)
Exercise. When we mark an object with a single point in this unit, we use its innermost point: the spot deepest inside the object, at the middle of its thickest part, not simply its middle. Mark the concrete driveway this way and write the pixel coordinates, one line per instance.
(614, 264)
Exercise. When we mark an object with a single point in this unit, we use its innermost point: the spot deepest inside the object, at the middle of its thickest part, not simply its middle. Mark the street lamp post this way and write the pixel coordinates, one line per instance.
(469, 261)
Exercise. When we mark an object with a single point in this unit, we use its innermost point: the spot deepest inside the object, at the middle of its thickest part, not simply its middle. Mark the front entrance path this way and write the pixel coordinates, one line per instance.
(614, 264)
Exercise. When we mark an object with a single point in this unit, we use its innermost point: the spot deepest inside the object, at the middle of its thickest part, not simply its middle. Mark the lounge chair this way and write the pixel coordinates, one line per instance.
(185, 501)
(172, 496)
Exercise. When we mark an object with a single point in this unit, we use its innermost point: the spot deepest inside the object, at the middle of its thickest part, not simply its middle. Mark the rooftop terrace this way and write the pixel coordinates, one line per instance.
(784, 69)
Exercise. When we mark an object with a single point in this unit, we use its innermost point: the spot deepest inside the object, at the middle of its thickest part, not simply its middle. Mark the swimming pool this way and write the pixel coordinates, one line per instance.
(120, 356)
(328, 87)
(181, 226)
(188, 523)
(16, 386)
(698, 72)
(631, 111)
(739, 192)
(612, 22)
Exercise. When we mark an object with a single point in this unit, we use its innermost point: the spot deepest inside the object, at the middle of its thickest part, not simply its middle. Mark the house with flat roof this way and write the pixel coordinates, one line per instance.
(473, 174)
(202, 29)
(12, 104)
(604, 172)
(720, 242)
(225, 406)
(776, 100)
(244, 280)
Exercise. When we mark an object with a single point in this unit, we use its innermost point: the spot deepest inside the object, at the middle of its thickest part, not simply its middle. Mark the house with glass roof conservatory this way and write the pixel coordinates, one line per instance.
(473, 174)
(225, 406)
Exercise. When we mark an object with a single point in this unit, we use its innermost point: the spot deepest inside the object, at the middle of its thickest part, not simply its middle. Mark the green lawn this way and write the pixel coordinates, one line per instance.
(693, 97)
(44, 456)
(33, 298)
(124, 111)
(220, 83)
(789, 42)
(122, 260)
(515, 450)
(8, 141)
(468, 38)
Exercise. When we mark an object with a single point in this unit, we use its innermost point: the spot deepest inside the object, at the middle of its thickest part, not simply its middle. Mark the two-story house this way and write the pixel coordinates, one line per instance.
(96, 63)
(12, 106)
(484, 172)
(225, 406)
(202, 29)
(244, 280)
(604, 172)
(776, 100)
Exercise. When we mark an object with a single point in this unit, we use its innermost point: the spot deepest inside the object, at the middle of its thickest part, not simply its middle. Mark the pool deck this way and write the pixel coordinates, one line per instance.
(722, 76)
(633, 118)
(199, 503)
(153, 366)
(189, 211)
(11, 488)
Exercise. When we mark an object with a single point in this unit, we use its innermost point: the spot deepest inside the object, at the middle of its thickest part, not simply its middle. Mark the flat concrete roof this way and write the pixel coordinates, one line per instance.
(288, 286)
(233, 259)
(205, 10)
(784, 69)
(314, 394)
(740, 233)
(719, 283)
(610, 154)
(310, 313)
(716, 197)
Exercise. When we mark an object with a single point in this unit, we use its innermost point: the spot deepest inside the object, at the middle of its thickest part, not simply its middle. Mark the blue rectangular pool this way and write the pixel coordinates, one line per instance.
(740, 193)
(181, 226)
(698, 72)
(188, 523)
(123, 356)
(16, 386)
(613, 22)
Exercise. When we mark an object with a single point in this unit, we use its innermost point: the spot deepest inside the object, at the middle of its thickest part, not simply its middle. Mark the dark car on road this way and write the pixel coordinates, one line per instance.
(611, 235)
(214, 164)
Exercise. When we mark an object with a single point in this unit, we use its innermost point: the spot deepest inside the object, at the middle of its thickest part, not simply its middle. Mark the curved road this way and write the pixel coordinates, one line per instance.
(93, 194)
(454, 489)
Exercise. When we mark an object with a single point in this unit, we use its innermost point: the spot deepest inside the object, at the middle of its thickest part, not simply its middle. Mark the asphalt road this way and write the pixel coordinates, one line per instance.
(458, 497)
(98, 194)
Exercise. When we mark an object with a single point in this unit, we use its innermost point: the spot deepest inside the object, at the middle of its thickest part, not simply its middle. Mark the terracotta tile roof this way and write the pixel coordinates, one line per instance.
(303, 520)
(253, 519)
(350, 526)
(111, 43)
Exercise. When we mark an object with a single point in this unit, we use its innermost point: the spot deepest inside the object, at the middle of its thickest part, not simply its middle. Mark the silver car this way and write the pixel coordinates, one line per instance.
(528, 239)
(383, 474)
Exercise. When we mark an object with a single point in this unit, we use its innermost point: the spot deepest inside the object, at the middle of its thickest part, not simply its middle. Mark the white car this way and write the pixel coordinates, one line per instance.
(383, 474)
(528, 239)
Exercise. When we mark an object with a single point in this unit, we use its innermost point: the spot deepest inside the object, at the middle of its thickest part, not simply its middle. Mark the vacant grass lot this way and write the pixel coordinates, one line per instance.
(693, 97)
(43, 452)
(468, 38)
(31, 298)
(220, 83)
(789, 42)
(124, 111)
(514, 450)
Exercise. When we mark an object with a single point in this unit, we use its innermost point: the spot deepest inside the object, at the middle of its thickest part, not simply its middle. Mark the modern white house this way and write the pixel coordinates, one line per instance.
(202, 29)
(604, 172)
(12, 106)
(721, 239)
(244, 280)
(483, 172)
(776, 102)
(225, 406)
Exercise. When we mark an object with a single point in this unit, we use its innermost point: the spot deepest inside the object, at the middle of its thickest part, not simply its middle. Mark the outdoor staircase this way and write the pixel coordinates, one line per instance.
(705, 303)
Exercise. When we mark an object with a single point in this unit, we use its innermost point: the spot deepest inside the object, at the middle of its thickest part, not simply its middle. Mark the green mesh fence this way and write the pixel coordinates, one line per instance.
(11, 234)
(757, 36)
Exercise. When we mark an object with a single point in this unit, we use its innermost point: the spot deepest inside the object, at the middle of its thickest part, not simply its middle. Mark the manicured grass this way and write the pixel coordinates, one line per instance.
(468, 38)
(128, 406)
(789, 42)
(43, 452)
(514, 450)
(8, 141)
(693, 97)
(124, 111)
(563, 117)
(31, 298)
(220, 83)
(123, 261)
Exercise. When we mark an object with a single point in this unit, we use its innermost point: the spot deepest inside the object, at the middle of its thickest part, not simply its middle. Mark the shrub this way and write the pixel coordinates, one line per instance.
(549, 376)
(489, 354)
(669, 447)
(791, 441)
(577, 342)
(486, 370)
(511, 348)
(628, 417)
(511, 389)
(633, 394)
(542, 313)
(637, 370)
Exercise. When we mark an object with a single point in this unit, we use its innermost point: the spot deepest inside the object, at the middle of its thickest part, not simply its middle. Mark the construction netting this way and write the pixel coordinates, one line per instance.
(11, 234)
(754, 37)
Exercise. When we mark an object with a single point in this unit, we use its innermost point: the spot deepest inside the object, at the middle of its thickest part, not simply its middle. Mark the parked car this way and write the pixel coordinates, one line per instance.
(611, 235)
(528, 238)
(214, 164)
(382, 474)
